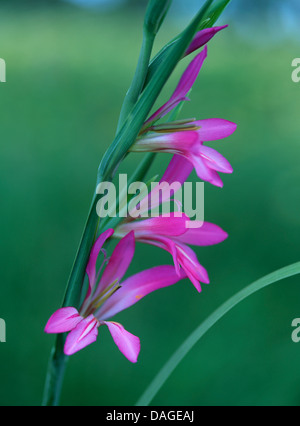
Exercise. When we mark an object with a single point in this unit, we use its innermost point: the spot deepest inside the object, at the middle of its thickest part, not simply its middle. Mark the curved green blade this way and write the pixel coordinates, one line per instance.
(194, 338)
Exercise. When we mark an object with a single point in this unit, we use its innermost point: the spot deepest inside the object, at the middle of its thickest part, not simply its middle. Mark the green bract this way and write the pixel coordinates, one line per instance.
(155, 15)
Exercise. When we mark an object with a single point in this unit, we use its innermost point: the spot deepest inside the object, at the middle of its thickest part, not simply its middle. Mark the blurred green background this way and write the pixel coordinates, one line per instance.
(67, 72)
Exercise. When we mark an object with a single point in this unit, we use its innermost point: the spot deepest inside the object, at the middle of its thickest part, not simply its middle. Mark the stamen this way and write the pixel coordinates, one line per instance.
(109, 291)
(173, 126)
(177, 129)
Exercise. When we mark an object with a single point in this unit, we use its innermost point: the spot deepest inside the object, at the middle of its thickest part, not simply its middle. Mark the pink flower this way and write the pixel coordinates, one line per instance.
(171, 234)
(189, 77)
(177, 172)
(107, 297)
(189, 144)
(186, 137)
(185, 84)
(203, 37)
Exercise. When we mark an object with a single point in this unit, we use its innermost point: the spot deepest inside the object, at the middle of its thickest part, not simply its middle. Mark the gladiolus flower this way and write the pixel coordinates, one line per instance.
(189, 144)
(185, 84)
(186, 137)
(203, 37)
(172, 235)
(109, 296)
(177, 172)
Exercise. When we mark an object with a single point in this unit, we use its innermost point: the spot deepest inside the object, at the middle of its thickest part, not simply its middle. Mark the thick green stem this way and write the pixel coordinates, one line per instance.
(55, 374)
(78, 271)
(139, 78)
(155, 15)
(57, 362)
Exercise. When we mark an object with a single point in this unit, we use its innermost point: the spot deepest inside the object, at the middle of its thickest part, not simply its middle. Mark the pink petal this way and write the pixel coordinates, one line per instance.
(190, 75)
(178, 170)
(162, 225)
(204, 172)
(91, 267)
(190, 264)
(118, 263)
(186, 144)
(175, 143)
(127, 343)
(62, 321)
(186, 83)
(214, 129)
(83, 335)
(167, 244)
(207, 235)
(183, 256)
(216, 180)
(203, 37)
(137, 287)
(215, 160)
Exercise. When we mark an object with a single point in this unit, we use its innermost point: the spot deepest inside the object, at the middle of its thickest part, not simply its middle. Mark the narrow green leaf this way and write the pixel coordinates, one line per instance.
(194, 338)
(214, 13)
(155, 15)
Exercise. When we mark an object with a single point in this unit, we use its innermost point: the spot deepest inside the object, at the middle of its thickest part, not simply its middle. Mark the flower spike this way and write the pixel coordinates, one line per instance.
(110, 297)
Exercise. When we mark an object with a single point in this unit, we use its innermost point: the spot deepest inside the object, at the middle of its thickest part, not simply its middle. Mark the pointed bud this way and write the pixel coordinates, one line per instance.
(202, 38)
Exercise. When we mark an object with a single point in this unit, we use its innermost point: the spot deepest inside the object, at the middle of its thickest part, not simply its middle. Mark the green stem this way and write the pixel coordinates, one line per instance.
(139, 77)
(57, 362)
(155, 15)
(55, 374)
(138, 176)
(78, 271)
